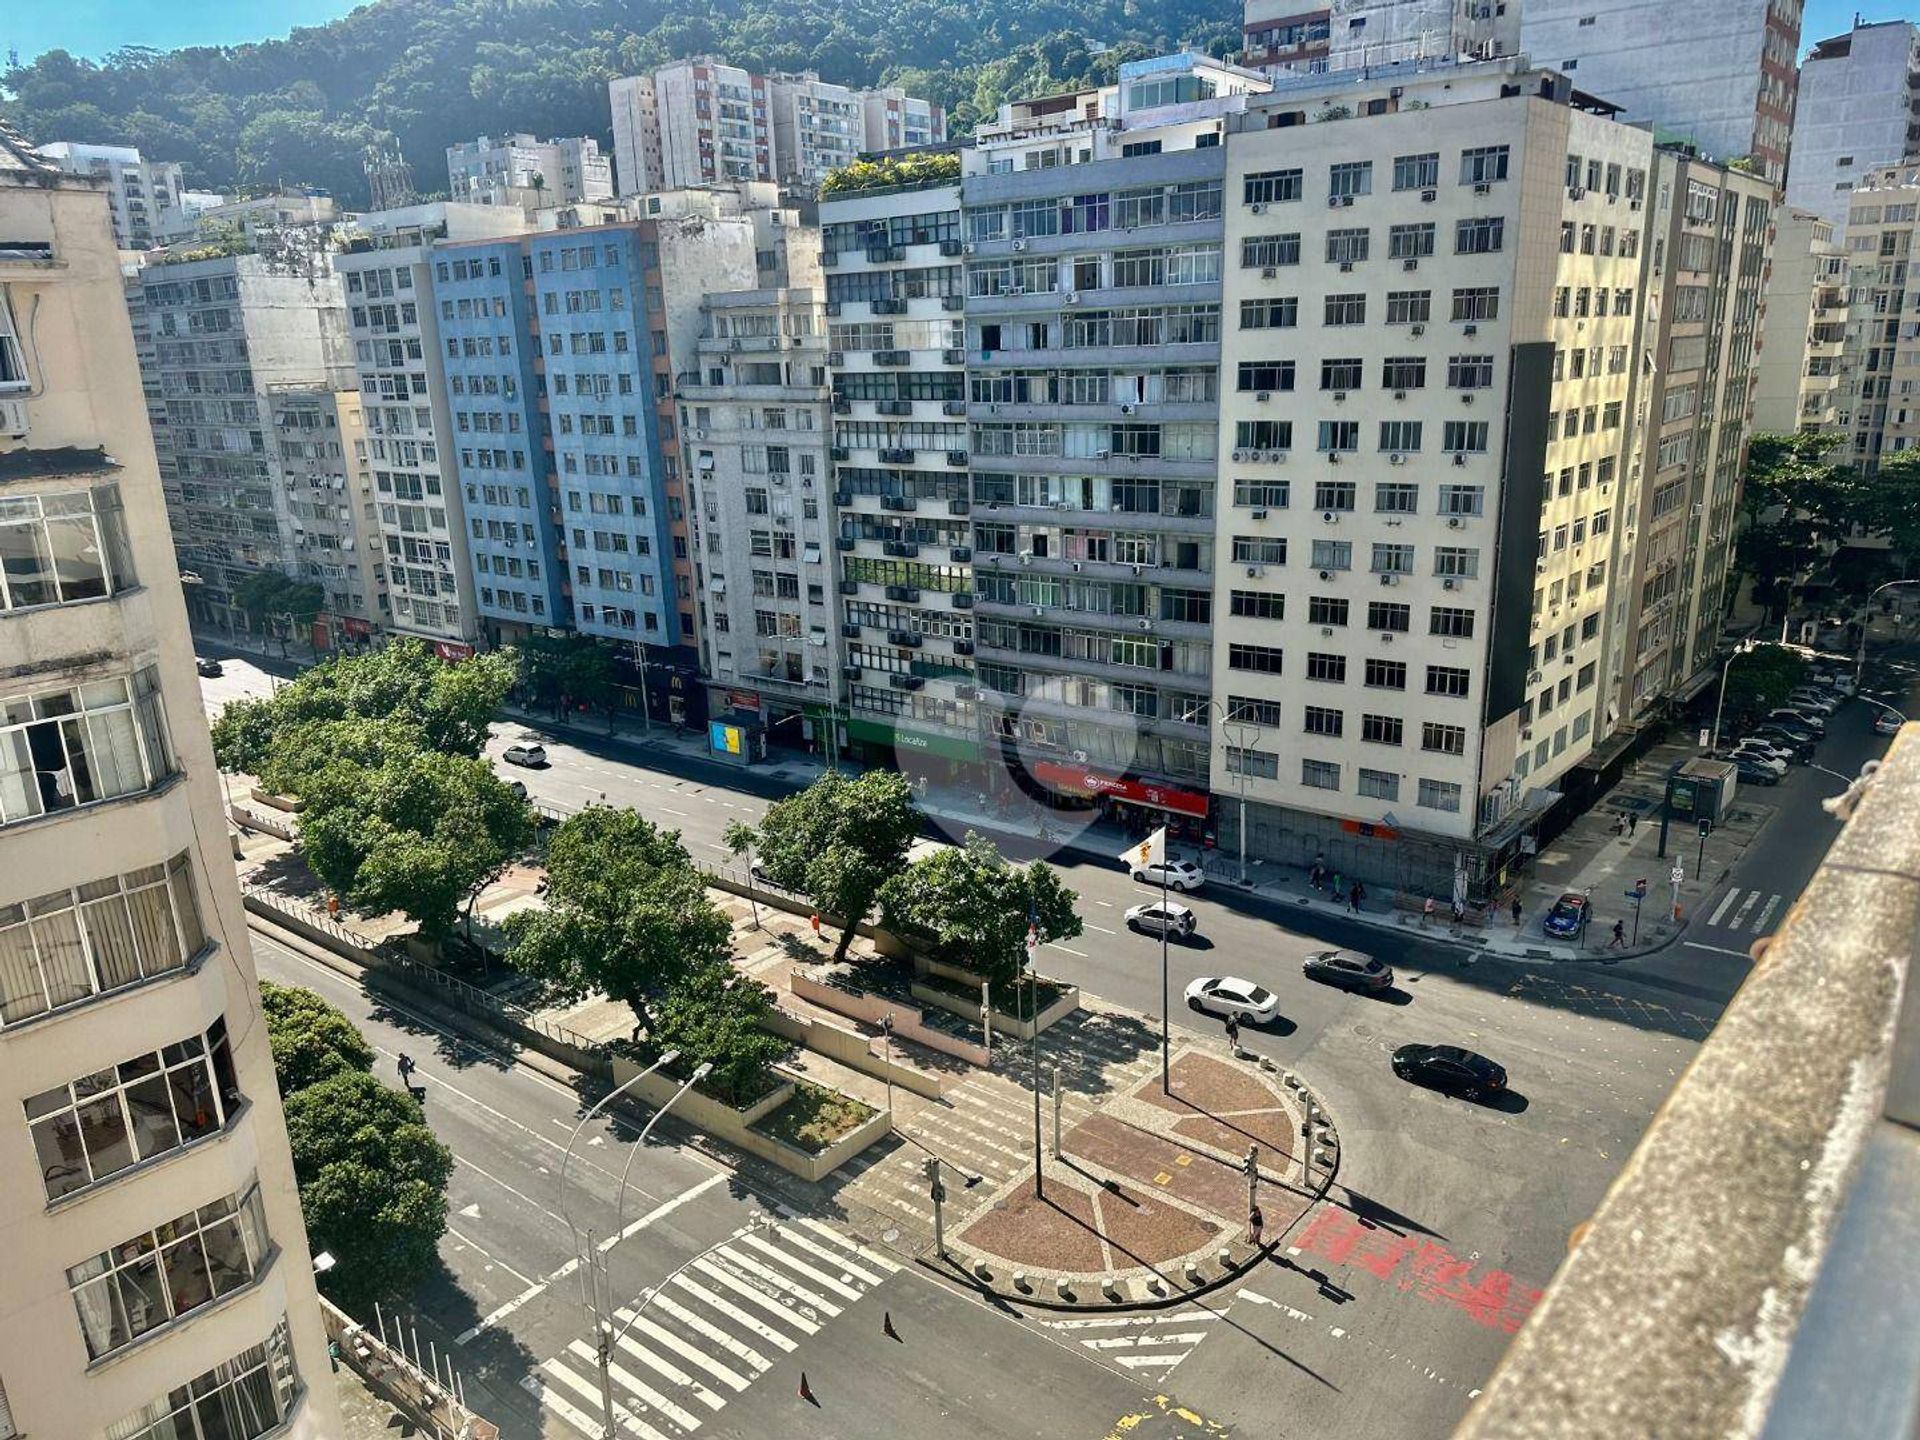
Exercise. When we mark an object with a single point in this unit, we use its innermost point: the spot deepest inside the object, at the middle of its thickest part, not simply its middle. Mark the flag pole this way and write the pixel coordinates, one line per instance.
(1166, 1022)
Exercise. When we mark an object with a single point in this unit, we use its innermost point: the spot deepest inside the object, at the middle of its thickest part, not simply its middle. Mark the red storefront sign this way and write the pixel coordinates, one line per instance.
(359, 629)
(743, 700)
(453, 650)
(1139, 792)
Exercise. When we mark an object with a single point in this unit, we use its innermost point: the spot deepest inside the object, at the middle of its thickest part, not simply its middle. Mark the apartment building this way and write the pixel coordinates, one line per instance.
(1799, 372)
(1705, 247)
(894, 120)
(1733, 96)
(1858, 108)
(1280, 37)
(154, 1272)
(221, 336)
(520, 170)
(1432, 299)
(1882, 356)
(319, 440)
(818, 127)
(896, 355)
(144, 194)
(694, 122)
(386, 278)
(755, 435)
(1094, 278)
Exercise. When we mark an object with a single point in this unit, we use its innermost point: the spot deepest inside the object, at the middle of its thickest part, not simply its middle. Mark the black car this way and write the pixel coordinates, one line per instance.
(1448, 1067)
(1752, 772)
(1800, 743)
(209, 669)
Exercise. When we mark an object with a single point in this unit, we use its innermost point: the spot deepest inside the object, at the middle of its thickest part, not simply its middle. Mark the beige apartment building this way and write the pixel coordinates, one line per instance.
(154, 1273)
(1882, 358)
(1799, 375)
(320, 437)
(1432, 297)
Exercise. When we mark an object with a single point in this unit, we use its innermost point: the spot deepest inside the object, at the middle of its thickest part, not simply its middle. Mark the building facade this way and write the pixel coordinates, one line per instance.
(1858, 109)
(818, 127)
(144, 194)
(1732, 98)
(1432, 298)
(222, 335)
(319, 440)
(1799, 377)
(1882, 357)
(152, 1255)
(895, 120)
(520, 170)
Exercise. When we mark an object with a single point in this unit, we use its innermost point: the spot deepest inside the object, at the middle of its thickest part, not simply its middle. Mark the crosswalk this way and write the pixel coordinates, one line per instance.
(1143, 1344)
(1744, 911)
(712, 1330)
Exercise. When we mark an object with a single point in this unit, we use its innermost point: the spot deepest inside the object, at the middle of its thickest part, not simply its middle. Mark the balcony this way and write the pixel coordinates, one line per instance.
(1762, 1237)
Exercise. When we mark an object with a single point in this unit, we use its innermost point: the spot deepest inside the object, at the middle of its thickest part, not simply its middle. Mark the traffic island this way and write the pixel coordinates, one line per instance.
(1149, 1201)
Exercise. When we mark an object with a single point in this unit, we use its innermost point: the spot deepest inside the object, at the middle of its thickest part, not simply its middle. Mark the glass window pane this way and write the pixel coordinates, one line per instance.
(140, 1289)
(113, 533)
(23, 560)
(193, 1100)
(109, 1148)
(115, 753)
(227, 1259)
(77, 562)
(153, 1121)
(154, 937)
(19, 791)
(49, 764)
(103, 1319)
(63, 1163)
(62, 958)
(22, 992)
(188, 1283)
(110, 934)
(186, 905)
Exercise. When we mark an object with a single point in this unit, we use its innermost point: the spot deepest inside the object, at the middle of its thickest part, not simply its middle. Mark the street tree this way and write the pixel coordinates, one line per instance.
(1889, 505)
(562, 670)
(627, 915)
(968, 906)
(836, 842)
(373, 1185)
(1760, 681)
(277, 604)
(416, 831)
(715, 1014)
(311, 1040)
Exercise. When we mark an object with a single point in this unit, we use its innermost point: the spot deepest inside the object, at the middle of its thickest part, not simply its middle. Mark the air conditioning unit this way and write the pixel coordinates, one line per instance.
(1453, 522)
(1262, 396)
(1483, 188)
(1470, 329)
(1259, 514)
(1020, 244)
(1449, 583)
(1576, 193)
(1459, 457)
(968, 248)
(1339, 397)
(1274, 457)
(1254, 572)
(1259, 207)
(1466, 397)
(1269, 272)
(1346, 267)
(1333, 202)
(1333, 457)
(1326, 630)
(1410, 263)
(1326, 574)
(1417, 330)
(1387, 577)
(1396, 459)
(1429, 196)
(1148, 625)
(1129, 409)
(1240, 457)
(1399, 394)
(1328, 517)
(1073, 297)
(1346, 200)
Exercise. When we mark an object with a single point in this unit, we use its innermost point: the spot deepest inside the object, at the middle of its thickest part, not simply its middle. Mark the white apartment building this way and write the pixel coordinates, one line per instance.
(694, 122)
(1382, 32)
(144, 194)
(1720, 74)
(895, 334)
(320, 442)
(754, 431)
(1424, 442)
(520, 170)
(1705, 248)
(1859, 108)
(154, 1273)
(1284, 37)
(817, 127)
(895, 120)
(1882, 357)
(1799, 374)
(385, 276)
(220, 335)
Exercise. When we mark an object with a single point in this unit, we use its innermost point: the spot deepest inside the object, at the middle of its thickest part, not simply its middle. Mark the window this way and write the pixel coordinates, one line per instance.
(1409, 307)
(59, 549)
(1416, 172)
(1350, 178)
(1458, 561)
(1386, 674)
(1410, 242)
(67, 946)
(1333, 555)
(1382, 729)
(1470, 372)
(1403, 372)
(1450, 680)
(1379, 784)
(1461, 499)
(101, 1123)
(1323, 666)
(1257, 375)
(160, 1275)
(1476, 303)
(1439, 795)
(1392, 559)
(1483, 164)
(1341, 435)
(1280, 313)
(1443, 739)
(1320, 774)
(1333, 495)
(1270, 187)
(1260, 659)
(66, 748)
(1326, 610)
(1389, 615)
(1341, 374)
(1464, 437)
(1260, 549)
(1346, 310)
(1257, 605)
(1269, 251)
(1245, 710)
(1483, 235)
(239, 1399)
(1320, 720)
(1257, 764)
(1395, 497)
(1400, 436)
(1451, 620)
(1261, 494)
(1347, 247)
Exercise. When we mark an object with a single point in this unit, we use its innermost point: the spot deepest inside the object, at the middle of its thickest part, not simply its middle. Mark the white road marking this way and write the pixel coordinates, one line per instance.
(1068, 948)
(1716, 949)
(1101, 928)
(839, 1260)
(758, 1297)
(1144, 1342)
(1143, 1362)
(567, 1411)
(733, 1312)
(1740, 915)
(473, 1244)
(838, 1286)
(692, 1354)
(698, 1323)
(1766, 914)
(634, 1385)
(661, 1211)
(1721, 908)
(517, 1194)
(774, 1278)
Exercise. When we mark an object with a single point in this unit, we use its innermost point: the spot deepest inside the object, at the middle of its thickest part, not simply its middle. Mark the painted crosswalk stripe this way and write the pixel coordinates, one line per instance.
(1721, 908)
(774, 1278)
(720, 1305)
(1740, 915)
(819, 1277)
(634, 1385)
(565, 1409)
(1189, 1317)
(692, 1354)
(867, 1257)
(1144, 1362)
(670, 1372)
(1144, 1342)
(700, 1325)
(759, 1297)
(1766, 913)
(590, 1392)
(842, 1261)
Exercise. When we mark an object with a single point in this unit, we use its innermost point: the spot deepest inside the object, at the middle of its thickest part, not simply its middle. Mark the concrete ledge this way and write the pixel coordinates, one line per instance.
(1018, 1027)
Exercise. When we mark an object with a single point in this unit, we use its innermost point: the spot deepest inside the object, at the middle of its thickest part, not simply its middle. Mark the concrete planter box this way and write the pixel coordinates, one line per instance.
(908, 1021)
(854, 1050)
(1018, 1026)
(277, 802)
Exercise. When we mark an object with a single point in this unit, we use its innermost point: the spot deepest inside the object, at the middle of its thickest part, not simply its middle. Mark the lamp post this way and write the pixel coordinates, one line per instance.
(1720, 705)
(1242, 734)
(1860, 660)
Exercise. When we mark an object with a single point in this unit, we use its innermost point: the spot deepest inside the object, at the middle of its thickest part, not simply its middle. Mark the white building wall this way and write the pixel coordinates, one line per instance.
(1856, 111)
(1798, 378)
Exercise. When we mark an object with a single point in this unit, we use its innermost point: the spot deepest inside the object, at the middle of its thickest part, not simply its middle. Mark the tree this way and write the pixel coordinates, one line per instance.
(626, 914)
(836, 842)
(311, 1041)
(1889, 504)
(416, 831)
(268, 596)
(373, 1185)
(1759, 681)
(969, 907)
(566, 670)
(448, 704)
(716, 1015)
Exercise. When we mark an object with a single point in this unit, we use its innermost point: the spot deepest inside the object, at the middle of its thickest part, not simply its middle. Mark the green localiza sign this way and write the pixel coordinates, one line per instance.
(947, 747)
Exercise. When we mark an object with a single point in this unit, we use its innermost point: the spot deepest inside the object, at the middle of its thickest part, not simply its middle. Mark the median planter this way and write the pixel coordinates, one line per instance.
(957, 991)
(908, 1022)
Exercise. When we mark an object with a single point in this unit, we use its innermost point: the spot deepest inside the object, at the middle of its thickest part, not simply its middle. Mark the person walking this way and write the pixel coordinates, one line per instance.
(1633, 824)
(1355, 896)
(1255, 1220)
(406, 1070)
(1619, 935)
(1233, 1034)
(1426, 913)
(1339, 889)
(1516, 912)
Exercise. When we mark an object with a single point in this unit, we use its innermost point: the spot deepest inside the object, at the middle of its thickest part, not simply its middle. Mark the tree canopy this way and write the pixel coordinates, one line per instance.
(566, 669)
(836, 842)
(304, 110)
(311, 1041)
(715, 1014)
(884, 173)
(968, 906)
(270, 598)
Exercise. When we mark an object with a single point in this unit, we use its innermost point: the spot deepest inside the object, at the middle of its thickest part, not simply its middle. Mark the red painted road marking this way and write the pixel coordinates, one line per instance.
(1421, 1267)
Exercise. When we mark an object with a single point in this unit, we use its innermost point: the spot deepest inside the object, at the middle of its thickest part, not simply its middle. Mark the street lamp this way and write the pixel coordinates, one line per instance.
(1241, 734)
(1860, 660)
(1720, 705)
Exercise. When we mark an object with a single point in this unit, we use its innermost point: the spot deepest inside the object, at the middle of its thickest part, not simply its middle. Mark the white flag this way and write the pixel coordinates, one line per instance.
(1149, 852)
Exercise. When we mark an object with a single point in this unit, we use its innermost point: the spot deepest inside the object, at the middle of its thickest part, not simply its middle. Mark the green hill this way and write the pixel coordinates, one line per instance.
(429, 72)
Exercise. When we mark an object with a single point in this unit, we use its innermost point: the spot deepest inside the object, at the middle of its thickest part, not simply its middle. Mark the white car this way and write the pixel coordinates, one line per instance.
(1160, 917)
(1756, 756)
(525, 753)
(1230, 995)
(1767, 749)
(1182, 875)
(1888, 723)
(1817, 701)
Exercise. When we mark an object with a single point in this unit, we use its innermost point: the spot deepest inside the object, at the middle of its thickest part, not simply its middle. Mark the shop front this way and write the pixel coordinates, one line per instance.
(1135, 804)
(942, 759)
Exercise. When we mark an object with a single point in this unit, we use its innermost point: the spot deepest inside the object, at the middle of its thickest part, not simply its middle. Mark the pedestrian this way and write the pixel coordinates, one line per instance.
(1319, 868)
(1426, 913)
(1459, 913)
(1233, 1034)
(1353, 897)
(1254, 1221)
(1619, 935)
(1633, 824)
(1516, 912)
(406, 1070)
(1339, 889)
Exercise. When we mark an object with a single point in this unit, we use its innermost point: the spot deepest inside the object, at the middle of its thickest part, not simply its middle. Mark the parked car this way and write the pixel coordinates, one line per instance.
(1348, 968)
(1567, 915)
(1448, 1067)
(1818, 702)
(1888, 723)
(1791, 725)
(1760, 753)
(1181, 875)
(1774, 749)
(1230, 995)
(1160, 917)
(525, 753)
(1841, 682)
(208, 669)
(518, 787)
(1797, 741)
(1753, 771)
(1813, 724)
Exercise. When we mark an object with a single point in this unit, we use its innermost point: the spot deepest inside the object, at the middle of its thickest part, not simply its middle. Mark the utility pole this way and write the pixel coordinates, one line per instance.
(1056, 1112)
(1033, 1018)
(937, 1189)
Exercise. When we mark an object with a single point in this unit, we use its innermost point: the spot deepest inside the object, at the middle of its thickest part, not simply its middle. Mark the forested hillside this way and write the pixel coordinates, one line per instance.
(428, 72)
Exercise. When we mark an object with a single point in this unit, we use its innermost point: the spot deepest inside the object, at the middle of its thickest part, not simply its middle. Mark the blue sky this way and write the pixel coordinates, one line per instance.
(93, 27)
